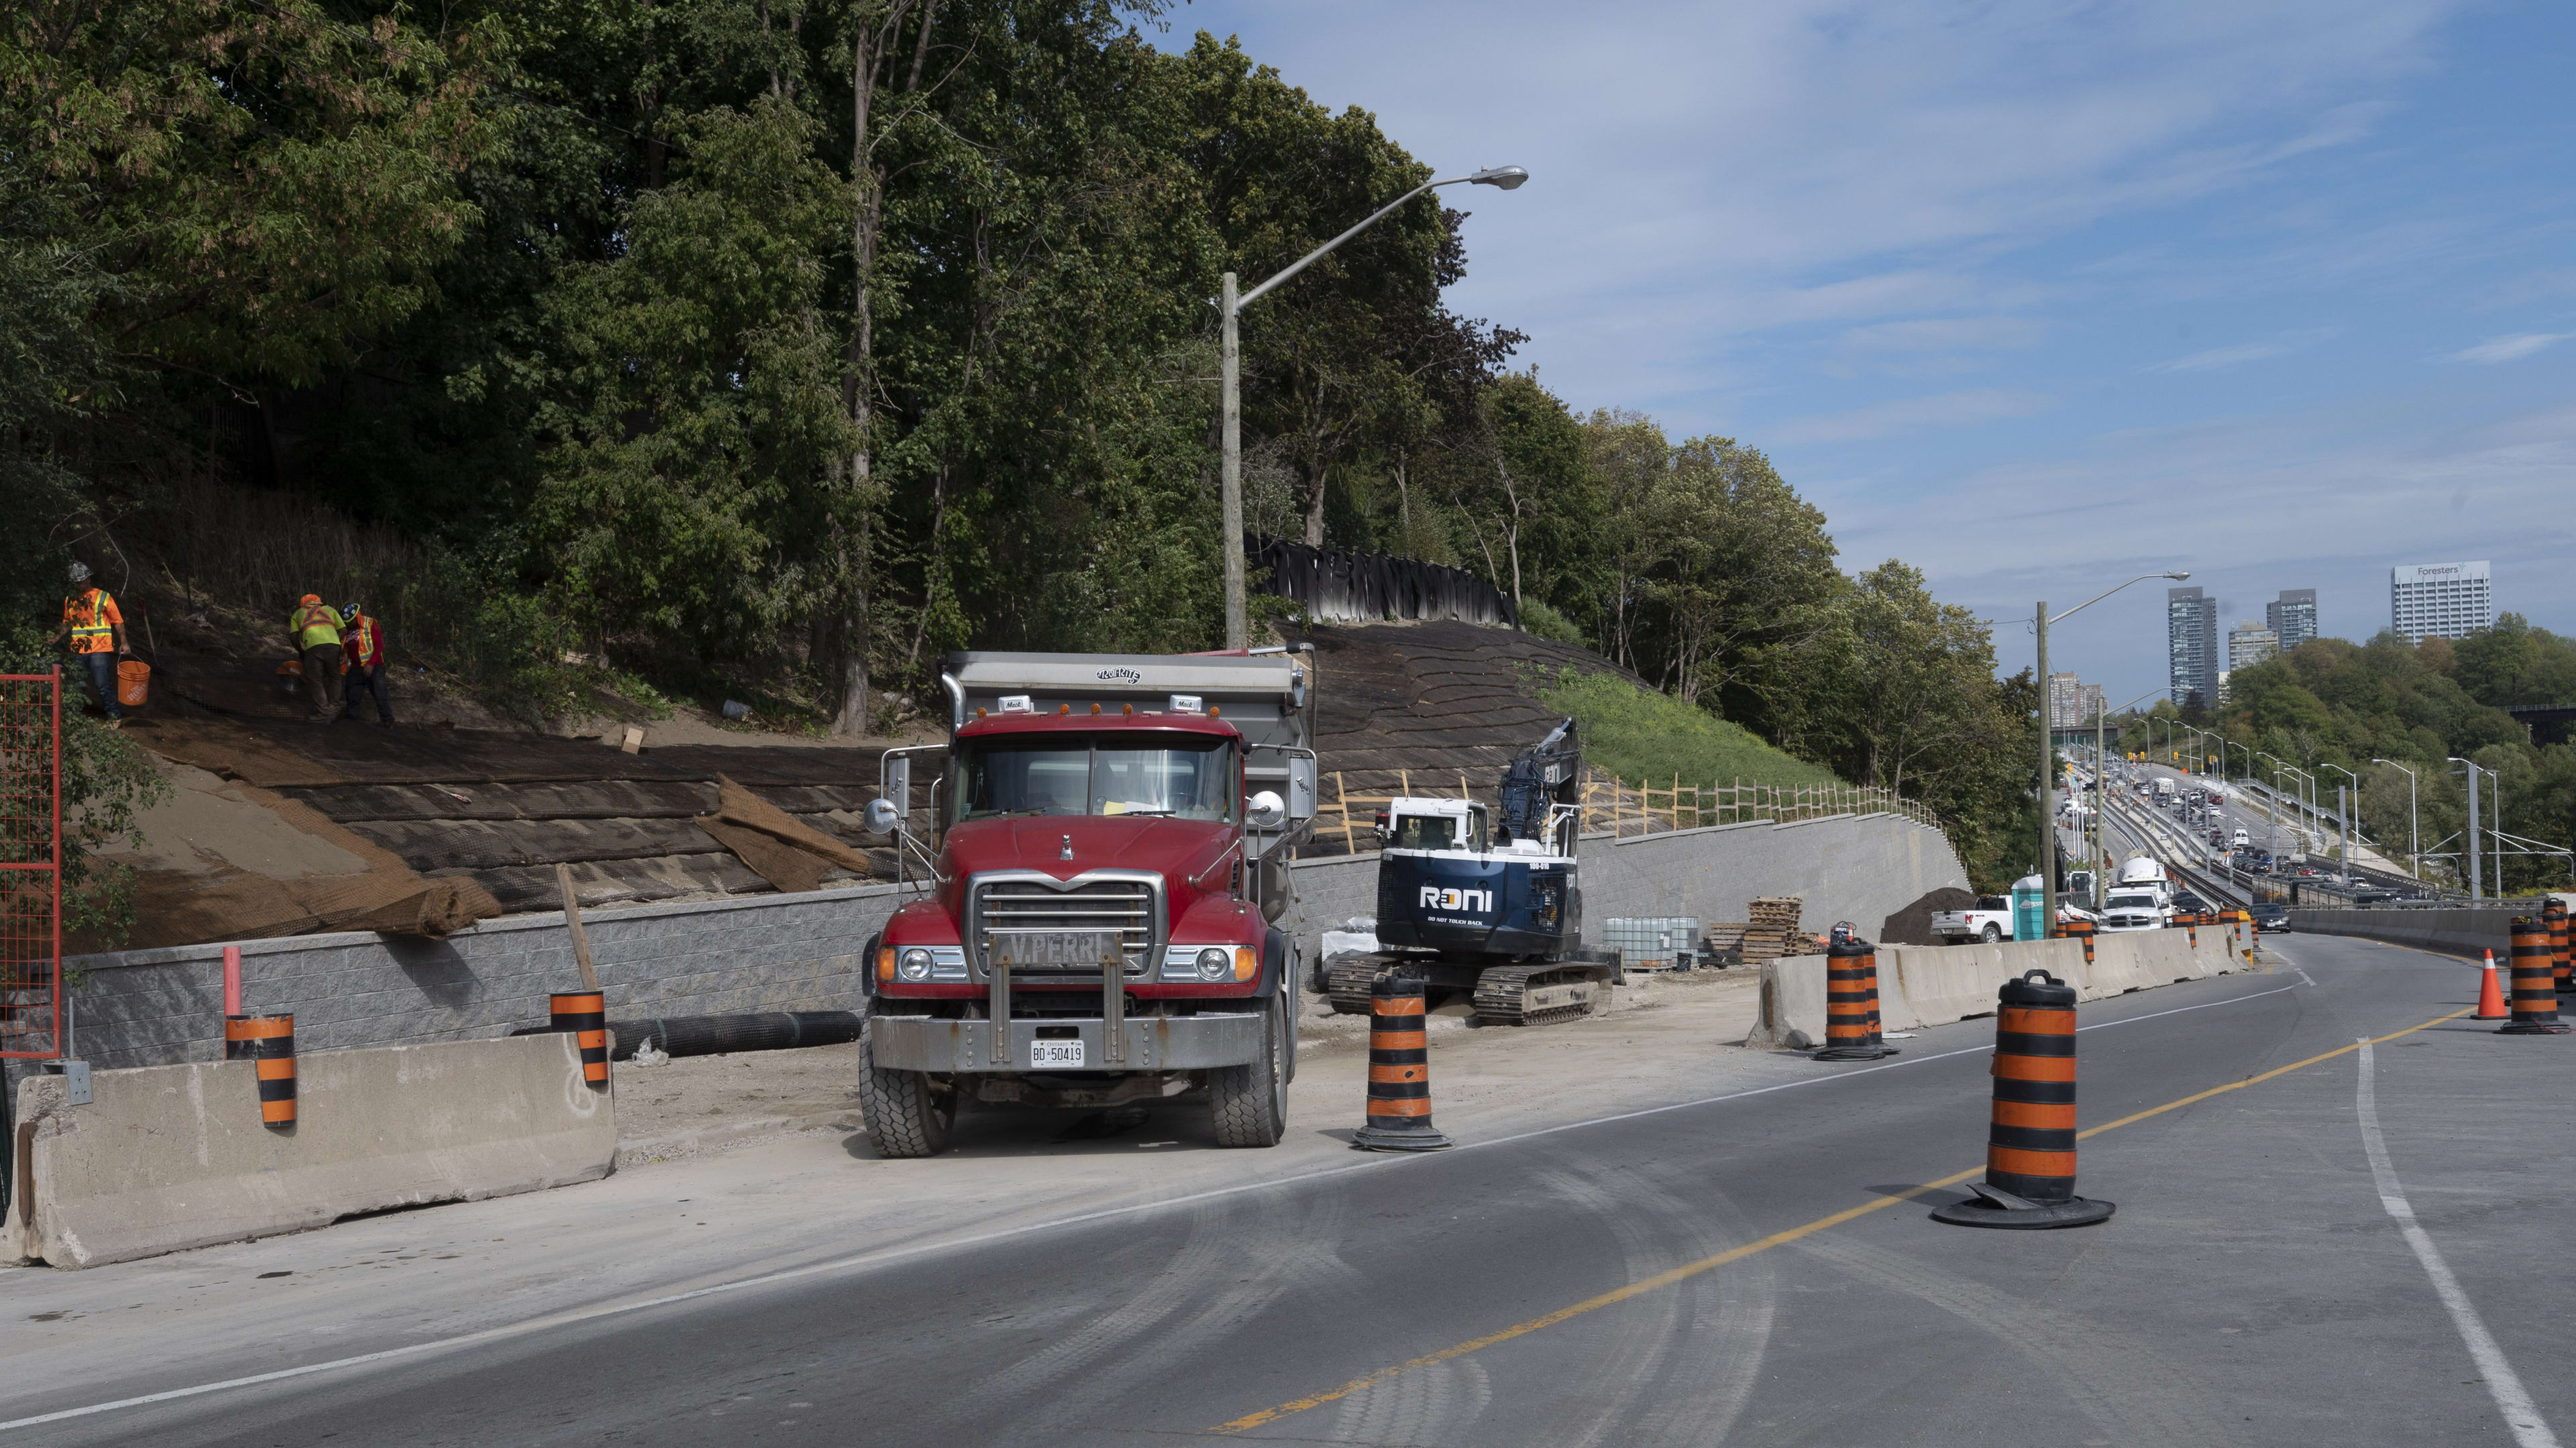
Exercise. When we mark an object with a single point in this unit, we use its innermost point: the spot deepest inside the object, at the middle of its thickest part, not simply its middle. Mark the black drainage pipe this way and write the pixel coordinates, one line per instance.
(724, 1035)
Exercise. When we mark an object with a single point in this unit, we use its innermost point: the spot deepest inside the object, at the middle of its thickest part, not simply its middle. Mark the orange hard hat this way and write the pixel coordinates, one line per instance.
(310, 598)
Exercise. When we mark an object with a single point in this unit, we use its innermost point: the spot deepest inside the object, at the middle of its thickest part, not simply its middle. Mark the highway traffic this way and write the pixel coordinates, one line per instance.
(1747, 1258)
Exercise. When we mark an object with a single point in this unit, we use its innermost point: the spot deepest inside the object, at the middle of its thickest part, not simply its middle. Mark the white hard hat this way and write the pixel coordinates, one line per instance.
(80, 570)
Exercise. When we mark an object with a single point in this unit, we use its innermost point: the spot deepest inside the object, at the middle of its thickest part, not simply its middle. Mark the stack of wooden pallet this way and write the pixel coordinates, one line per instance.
(1774, 931)
(1723, 940)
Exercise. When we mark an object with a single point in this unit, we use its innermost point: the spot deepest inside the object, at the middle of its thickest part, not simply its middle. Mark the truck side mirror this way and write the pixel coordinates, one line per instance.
(1301, 787)
(883, 816)
(1265, 811)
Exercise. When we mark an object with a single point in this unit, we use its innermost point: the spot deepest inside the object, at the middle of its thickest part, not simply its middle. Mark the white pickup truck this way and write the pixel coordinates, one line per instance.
(1990, 920)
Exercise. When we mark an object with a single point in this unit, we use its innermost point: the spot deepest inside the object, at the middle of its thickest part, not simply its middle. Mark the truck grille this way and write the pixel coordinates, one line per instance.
(1126, 906)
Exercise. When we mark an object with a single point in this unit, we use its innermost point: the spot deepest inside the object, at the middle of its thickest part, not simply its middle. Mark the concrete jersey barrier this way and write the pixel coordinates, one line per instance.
(1933, 985)
(2464, 932)
(165, 1158)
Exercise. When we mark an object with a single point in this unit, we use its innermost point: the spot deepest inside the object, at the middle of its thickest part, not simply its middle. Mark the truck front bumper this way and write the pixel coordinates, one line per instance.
(1146, 1043)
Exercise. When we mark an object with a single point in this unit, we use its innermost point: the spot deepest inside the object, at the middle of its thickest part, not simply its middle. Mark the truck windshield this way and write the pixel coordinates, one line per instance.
(1058, 776)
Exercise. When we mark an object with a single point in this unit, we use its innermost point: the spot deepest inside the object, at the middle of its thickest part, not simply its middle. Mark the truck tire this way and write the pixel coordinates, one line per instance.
(1991, 935)
(906, 1115)
(1250, 1102)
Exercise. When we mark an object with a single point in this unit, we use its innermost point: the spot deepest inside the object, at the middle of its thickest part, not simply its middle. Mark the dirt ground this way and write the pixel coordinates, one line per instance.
(699, 1105)
(206, 824)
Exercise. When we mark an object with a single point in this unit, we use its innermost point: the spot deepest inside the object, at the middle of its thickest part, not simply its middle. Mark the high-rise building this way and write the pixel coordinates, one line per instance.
(2292, 616)
(2071, 702)
(2065, 701)
(2250, 643)
(2191, 645)
(2440, 600)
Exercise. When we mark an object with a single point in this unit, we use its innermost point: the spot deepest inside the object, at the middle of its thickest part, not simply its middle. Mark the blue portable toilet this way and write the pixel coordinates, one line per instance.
(2030, 909)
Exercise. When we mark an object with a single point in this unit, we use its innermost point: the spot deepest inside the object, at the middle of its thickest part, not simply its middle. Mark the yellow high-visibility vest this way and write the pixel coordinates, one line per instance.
(315, 626)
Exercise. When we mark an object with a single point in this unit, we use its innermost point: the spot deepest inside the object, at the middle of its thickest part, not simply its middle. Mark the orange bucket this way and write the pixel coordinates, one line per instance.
(133, 683)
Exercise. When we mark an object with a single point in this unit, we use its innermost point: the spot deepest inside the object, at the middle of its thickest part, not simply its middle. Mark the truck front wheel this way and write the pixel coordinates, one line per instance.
(907, 1116)
(1251, 1101)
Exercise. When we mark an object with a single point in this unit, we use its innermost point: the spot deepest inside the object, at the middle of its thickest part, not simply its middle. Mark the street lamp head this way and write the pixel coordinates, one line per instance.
(2179, 575)
(1508, 178)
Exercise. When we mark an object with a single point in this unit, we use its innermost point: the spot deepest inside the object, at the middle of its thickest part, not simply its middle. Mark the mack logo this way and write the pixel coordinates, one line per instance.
(1480, 901)
(1119, 676)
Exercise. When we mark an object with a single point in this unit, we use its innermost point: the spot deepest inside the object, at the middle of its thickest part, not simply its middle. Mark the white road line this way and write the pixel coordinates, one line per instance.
(2303, 975)
(890, 1255)
(2529, 1429)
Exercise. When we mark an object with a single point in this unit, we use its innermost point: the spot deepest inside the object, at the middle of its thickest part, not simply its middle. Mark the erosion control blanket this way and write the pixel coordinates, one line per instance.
(786, 852)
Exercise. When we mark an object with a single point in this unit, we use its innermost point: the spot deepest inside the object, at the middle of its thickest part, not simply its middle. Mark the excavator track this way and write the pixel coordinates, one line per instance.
(1543, 994)
(1349, 981)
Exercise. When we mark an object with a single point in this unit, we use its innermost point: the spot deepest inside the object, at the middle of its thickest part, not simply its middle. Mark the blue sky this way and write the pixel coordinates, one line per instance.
(2037, 294)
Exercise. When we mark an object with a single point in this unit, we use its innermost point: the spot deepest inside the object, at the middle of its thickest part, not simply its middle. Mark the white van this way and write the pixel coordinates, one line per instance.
(2239, 840)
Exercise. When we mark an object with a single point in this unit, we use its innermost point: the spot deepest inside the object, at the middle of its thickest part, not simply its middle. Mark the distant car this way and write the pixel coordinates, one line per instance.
(2270, 918)
(2373, 897)
(2188, 903)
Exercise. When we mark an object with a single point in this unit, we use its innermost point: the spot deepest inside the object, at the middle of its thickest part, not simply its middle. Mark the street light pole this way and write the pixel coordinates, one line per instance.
(2041, 619)
(2414, 832)
(1238, 630)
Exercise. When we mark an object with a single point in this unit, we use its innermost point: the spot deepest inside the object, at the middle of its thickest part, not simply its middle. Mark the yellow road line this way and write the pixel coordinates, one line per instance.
(1688, 1270)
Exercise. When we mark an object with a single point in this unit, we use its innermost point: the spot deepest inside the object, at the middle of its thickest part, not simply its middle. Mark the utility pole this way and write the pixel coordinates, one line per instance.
(2414, 830)
(2047, 786)
(2476, 884)
(1238, 629)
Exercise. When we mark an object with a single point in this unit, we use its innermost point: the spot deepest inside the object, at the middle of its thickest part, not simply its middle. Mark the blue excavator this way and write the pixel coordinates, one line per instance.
(1492, 909)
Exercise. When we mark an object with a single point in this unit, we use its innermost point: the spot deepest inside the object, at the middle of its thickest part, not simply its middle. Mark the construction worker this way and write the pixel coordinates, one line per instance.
(362, 645)
(315, 629)
(96, 629)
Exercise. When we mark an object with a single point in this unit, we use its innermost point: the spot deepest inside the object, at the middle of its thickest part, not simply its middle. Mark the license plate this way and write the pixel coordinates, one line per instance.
(1054, 948)
(1043, 1054)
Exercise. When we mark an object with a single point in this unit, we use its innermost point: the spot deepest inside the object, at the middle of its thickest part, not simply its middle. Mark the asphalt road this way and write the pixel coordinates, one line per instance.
(1733, 1270)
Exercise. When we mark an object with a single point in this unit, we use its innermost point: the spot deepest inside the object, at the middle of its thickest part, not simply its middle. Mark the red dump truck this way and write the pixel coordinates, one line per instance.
(1106, 851)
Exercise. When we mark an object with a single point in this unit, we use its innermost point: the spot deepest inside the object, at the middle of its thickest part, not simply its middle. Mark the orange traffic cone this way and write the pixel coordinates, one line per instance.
(2490, 994)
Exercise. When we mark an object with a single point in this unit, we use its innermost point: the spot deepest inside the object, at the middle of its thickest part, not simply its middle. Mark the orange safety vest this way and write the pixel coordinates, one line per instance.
(93, 617)
(315, 626)
(361, 643)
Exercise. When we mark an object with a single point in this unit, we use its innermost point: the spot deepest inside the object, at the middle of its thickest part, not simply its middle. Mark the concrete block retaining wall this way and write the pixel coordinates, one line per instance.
(1860, 868)
(801, 952)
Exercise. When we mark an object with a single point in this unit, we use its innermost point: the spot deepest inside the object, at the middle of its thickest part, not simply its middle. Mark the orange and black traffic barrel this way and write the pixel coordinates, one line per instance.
(2535, 984)
(1851, 1002)
(2554, 915)
(2030, 1137)
(2079, 930)
(585, 1014)
(269, 1043)
(1399, 1072)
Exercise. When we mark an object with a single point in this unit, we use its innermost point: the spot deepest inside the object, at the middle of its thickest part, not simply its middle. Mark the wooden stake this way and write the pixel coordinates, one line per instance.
(572, 922)
(1344, 800)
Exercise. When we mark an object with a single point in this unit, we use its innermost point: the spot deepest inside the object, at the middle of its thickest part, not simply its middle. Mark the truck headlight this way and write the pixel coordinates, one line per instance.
(913, 964)
(1214, 964)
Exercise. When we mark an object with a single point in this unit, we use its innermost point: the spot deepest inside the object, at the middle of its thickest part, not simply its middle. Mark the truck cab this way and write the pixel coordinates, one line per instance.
(1106, 866)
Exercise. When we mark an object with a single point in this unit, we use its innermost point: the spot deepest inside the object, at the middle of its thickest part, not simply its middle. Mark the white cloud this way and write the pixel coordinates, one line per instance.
(1948, 409)
(2509, 349)
(2218, 357)
(1948, 334)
